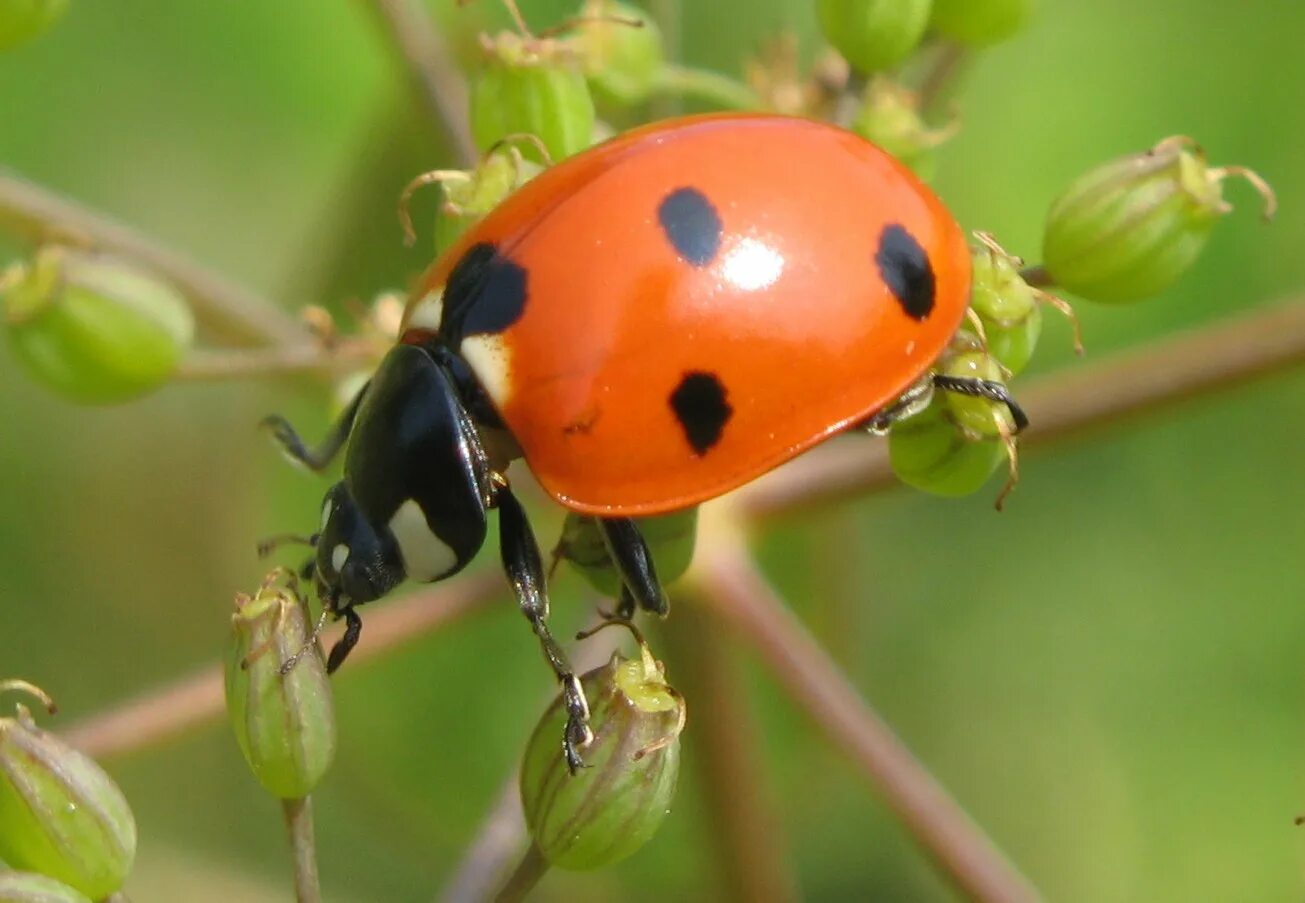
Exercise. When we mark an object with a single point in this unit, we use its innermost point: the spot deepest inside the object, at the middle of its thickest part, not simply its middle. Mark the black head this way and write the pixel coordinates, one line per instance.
(355, 561)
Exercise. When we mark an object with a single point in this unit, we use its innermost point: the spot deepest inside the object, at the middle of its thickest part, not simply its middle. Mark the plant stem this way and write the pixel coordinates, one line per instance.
(442, 85)
(167, 711)
(207, 365)
(702, 84)
(749, 606)
(948, 60)
(529, 871)
(232, 311)
(1065, 404)
(299, 824)
(502, 834)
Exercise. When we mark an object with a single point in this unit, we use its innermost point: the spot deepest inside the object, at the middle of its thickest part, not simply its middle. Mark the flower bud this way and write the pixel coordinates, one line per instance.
(532, 86)
(60, 814)
(927, 451)
(670, 539)
(889, 116)
(979, 22)
(27, 887)
(979, 417)
(94, 328)
(1128, 229)
(873, 35)
(22, 20)
(468, 196)
(621, 50)
(278, 694)
(610, 809)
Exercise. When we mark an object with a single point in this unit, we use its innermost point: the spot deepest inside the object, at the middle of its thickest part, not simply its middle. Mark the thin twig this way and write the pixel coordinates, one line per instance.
(730, 581)
(948, 60)
(232, 311)
(1065, 404)
(168, 711)
(299, 825)
(748, 846)
(501, 838)
(207, 365)
(442, 85)
(533, 866)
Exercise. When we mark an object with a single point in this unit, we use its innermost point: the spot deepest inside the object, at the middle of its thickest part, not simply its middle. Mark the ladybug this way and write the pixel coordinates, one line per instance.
(649, 324)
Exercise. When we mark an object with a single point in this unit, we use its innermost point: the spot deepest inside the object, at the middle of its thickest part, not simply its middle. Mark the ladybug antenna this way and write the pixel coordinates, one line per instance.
(435, 176)
(272, 543)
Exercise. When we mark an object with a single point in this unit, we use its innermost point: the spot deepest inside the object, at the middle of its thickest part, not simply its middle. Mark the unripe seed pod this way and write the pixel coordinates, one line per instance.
(979, 22)
(60, 814)
(277, 691)
(468, 196)
(889, 116)
(621, 49)
(94, 328)
(929, 452)
(979, 417)
(1128, 229)
(1006, 305)
(670, 539)
(532, 86)
(610, 809)
(873, 35)
(27, 887)
(22, 20)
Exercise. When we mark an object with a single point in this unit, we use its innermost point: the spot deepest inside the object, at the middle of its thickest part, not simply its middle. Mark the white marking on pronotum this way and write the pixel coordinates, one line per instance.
(339, 555)
(490, 360)
(425, 556)
(427, 311)
(327, 506)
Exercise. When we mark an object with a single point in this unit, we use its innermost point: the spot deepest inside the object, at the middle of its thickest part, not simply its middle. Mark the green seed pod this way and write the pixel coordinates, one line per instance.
(873, 34)
(60, 814)
(532, 86)
(979, 417)
(980, 22)
(610, 809)
(1128, 229)
(468, 196)
(929, 452)
(621, 50)
(26, 887)
(284, 722)
(670, 538)
(22, 20)
(93, 328)
(889, 116)
(1007, 306)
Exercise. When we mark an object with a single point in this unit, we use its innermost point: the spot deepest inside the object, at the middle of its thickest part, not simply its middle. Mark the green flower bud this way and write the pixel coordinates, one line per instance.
(468, 196)
(873, 34)
(22, 20)
(610, 809)
(532, 86)
(670, 539)
(621, 50)
(1127, 230)
(979, 22)
(278, 694)
(927, 451)
(26, 887)
(60, 814)
(980, 417)
(94, 328)
(889, 116)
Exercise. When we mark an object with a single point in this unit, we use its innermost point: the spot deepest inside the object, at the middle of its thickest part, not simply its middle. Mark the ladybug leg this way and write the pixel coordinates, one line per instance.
(912, 401)
(315, 459)
(525, 571)
(352, 631)
(984, 388)
(634, 562)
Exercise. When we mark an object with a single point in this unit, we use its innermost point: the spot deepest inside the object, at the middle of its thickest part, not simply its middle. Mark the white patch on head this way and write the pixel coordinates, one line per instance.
(427, 310)
(425, 556)
(490, 360)
(327, 508)
(339, 555)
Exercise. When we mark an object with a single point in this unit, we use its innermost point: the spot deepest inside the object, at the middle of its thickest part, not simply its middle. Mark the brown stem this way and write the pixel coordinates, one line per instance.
(501, 837)
(1066, 404)
(206, 365)
(299, 825)
(948, 61)
(232, 311)
(748, 840)
(748, 605)
(442, 85)
(163, 713)
(532, 868)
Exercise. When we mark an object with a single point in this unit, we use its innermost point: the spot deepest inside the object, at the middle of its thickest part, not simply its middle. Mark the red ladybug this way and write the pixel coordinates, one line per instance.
(650, 324)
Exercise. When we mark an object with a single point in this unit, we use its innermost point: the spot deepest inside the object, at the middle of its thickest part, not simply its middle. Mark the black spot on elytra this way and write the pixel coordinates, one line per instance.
(691, 224)
(485, 294)
(905, 267)
(700, 407)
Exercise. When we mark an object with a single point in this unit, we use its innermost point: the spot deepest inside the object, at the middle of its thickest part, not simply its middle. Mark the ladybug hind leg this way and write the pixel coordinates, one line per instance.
(629, 552)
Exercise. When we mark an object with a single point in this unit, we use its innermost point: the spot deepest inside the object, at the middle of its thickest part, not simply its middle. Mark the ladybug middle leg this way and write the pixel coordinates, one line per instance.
(315, 459)
(639, 583)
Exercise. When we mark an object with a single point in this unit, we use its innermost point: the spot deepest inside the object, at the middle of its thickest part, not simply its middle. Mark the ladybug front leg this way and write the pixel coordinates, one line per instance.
(315, 459)
(525, 571)
(625, 543)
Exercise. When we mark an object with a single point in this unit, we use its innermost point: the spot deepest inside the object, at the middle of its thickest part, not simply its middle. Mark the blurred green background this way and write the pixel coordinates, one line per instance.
(1108, 675)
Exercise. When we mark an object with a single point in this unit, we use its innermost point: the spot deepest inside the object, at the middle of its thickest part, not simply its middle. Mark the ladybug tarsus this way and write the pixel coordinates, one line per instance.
(343, 646)
(629, 552)
(984, 388)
